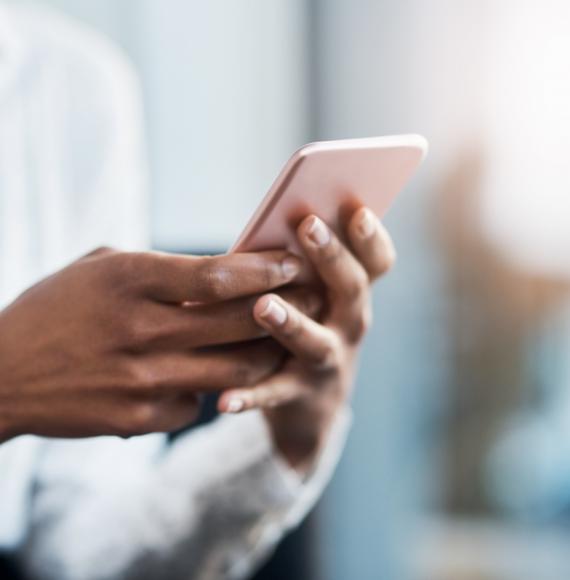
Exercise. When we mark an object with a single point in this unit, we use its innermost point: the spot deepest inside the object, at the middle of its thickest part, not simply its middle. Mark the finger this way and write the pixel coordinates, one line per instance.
(237, 365)
(307, 340)
(371, 243)
(177, 278)
(163, 415)
(167, 327)
(276, 391)
(346, 279)
(161, 376)
(148, 414)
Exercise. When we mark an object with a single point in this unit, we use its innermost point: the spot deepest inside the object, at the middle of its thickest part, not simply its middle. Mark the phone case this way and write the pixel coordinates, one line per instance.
(331, 179)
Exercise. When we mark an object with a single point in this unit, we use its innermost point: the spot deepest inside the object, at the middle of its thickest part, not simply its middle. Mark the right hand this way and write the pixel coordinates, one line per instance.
(121, 343)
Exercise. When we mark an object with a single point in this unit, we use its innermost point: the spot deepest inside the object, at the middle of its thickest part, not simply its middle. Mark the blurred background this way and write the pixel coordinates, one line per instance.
(458, 467)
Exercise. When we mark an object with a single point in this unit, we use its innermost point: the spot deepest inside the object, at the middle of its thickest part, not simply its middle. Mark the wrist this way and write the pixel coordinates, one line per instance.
(299, 432)
(8, 428)
(9, 424)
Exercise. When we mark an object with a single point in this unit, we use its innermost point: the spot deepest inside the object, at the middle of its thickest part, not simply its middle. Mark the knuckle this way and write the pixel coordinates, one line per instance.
(122, 269)
(140, 332)
(361, 325)
(142, 418)
(129, 331)
(386, 261)
(142, 378)
(293, 327)
(330, 355)
(191, 410)
(244, 374)
(357, 286)
(212, 279)
(352, 291)
(142, 264)
(271, 275)
(267, 398)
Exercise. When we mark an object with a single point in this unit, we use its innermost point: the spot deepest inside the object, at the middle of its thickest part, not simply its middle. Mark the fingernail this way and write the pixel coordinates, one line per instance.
(235, 405)
(291, 266)
(274, 313)
(367, 224)
(318, 232)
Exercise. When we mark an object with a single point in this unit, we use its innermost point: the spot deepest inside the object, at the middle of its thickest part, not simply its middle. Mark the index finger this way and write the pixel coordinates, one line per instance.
(178, 278)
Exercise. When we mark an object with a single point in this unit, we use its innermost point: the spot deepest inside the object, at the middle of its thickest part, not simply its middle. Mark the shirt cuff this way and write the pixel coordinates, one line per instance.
(308, 487)
(247, 451)
(247, 497)
(285, 496)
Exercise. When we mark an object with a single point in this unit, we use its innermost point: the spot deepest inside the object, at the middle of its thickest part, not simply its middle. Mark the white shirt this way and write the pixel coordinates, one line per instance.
(72, 177)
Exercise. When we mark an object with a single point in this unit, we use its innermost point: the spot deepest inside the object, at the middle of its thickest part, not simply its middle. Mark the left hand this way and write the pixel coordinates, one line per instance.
(301, 401)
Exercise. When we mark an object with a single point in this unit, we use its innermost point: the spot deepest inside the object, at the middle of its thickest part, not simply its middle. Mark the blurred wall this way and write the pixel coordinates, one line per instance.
(226, 96)
(226, 91)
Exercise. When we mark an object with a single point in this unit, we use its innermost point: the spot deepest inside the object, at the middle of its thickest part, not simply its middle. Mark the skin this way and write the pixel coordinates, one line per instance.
(302, 400)
(123, 343)
(105, 346)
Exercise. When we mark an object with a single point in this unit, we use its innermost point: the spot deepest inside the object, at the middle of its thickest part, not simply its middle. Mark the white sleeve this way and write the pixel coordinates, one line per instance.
(212, 505)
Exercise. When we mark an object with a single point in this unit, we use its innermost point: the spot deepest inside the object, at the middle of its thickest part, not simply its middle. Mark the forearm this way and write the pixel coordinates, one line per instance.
(214, 506)
(10, 411)
(6, 428)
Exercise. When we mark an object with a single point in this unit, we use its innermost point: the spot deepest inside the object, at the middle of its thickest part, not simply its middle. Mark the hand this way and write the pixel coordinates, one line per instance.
(106, 346)
(301, 401)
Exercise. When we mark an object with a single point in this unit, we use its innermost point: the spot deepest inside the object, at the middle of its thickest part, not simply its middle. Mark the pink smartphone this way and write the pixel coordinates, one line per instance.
(331, 179)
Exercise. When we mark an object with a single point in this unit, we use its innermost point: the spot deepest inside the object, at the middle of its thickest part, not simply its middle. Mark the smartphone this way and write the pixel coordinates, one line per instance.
(332, 179)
